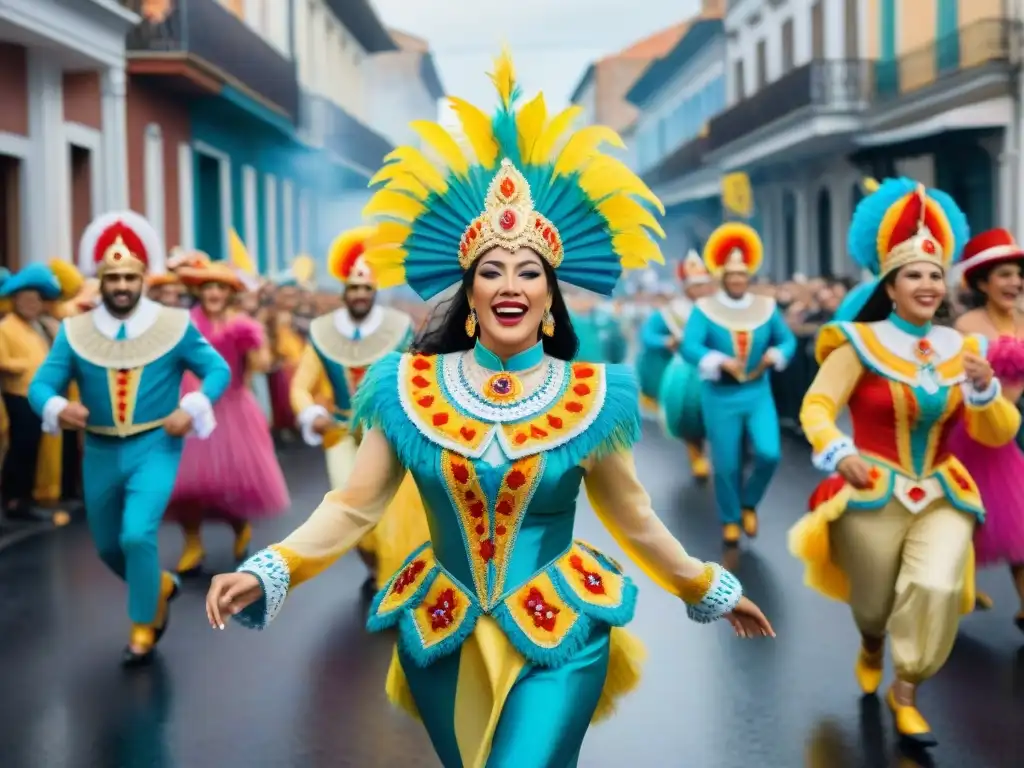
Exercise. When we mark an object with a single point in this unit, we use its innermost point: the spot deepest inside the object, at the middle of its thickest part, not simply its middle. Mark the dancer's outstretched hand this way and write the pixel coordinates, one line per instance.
(230, 593)
(748, 620)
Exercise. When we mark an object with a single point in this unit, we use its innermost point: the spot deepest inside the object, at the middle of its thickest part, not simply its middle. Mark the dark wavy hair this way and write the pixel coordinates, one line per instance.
(445, 330)
(978, 298)
(879, 305)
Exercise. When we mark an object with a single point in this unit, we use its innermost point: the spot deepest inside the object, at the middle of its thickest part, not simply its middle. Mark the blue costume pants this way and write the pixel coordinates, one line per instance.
(545, 717)
(127, 483)
(732, 412)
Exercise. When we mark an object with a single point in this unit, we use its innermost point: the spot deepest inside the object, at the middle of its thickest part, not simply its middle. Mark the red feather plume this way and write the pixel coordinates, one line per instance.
(350, 259)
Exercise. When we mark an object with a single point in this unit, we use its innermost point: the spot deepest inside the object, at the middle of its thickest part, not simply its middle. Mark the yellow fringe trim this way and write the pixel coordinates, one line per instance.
(625, 661)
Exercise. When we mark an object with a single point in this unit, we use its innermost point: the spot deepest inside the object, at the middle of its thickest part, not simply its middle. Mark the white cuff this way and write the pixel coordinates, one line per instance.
(51, 414)
(305, 420)
(198, 406)
(271, 569)
(976, 399)
(710, 366)
(721, 598)
(828, 459)
(778, 360)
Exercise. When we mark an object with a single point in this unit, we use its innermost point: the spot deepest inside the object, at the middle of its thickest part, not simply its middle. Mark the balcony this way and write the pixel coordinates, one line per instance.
(324, 123)
(207, 47)
(978, 47)
(684, 159)
(820, 86)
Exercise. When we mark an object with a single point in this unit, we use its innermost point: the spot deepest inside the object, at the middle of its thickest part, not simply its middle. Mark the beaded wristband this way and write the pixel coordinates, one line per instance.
(721, 597)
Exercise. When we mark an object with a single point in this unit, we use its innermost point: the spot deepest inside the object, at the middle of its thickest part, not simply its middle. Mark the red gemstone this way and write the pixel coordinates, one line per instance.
(544, 615)
(916, 493)
(592, 581)
(487, 549)
(928, 246)
(508, 187)
(507, 219)
(442, 612)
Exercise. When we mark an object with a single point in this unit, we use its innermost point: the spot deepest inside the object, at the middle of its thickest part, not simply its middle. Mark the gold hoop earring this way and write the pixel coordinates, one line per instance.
(547, 324)
(471, 323)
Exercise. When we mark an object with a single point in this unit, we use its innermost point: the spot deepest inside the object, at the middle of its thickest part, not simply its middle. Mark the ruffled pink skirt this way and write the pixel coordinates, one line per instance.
(233, 474)
(999, 474)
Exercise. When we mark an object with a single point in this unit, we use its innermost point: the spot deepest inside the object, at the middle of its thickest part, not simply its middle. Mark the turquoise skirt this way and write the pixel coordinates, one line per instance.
(590, 342)
(650, 368)
(679, 399)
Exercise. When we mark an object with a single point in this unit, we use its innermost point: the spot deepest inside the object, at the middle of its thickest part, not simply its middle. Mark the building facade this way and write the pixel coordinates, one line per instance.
(63, 125)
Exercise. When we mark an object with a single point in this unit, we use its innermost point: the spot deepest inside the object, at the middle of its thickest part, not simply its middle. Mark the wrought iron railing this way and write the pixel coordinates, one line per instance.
(983, 42)
(829, 85)
(208, 32)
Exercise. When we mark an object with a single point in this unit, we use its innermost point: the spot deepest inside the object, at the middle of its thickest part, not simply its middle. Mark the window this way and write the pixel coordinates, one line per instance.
(818, 30)
(738, 77)
(787, 45)
(762, 65)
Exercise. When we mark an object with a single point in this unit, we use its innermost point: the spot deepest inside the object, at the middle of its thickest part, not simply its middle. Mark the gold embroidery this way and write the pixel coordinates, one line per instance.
(746, 319)
(469, 500)
(359, 354)
(123, 385)
(432, 412)
(160, 338)
(442, 611)
(544, 617)
(517, 488)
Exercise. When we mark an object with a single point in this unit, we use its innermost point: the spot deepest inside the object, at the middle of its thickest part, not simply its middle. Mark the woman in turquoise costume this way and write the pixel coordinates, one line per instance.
(510, 632)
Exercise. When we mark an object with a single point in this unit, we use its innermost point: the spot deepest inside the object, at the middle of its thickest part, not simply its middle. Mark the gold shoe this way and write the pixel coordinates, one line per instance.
(243, 537)
(168, 591)
(983, 601)
(731, 534)
(750, 522)
(700, 467)
(140, 646)
(869, 669)
(192, 556)
(910, 724)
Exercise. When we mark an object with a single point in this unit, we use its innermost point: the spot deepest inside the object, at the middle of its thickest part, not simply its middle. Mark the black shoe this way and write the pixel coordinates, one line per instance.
(167, 619)
(130, 658)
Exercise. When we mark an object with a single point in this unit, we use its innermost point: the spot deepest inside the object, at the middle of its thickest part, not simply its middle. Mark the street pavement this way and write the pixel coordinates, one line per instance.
(308, 692)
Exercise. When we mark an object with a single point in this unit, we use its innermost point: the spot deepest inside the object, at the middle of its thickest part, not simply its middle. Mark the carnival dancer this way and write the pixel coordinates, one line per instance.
(992, 267)
(287, 347)
(735, 338)
(24, 344)
(890, 532)
(128, 356)
(233, 476)
(510, 632)
(342, 345)
(679, 395)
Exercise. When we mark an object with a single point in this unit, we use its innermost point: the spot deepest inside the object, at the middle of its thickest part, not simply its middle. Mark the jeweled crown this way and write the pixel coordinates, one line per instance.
(693, 269)
(921, 247)
(510, 221)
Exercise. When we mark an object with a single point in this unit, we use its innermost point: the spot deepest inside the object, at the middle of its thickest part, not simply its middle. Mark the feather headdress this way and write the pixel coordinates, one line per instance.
(524, 181)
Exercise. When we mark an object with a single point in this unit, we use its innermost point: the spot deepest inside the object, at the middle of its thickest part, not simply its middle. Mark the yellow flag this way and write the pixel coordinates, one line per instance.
(239, 254)
(303, 268)
(737, 197)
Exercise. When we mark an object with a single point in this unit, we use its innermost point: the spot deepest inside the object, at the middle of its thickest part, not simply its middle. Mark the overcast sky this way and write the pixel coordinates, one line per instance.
(552, 41)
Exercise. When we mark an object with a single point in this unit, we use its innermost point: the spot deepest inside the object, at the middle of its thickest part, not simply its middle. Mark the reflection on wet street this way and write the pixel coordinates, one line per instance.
(308, 693)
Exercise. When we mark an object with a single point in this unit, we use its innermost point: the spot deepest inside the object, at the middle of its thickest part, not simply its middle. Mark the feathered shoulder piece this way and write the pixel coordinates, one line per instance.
(516, 179)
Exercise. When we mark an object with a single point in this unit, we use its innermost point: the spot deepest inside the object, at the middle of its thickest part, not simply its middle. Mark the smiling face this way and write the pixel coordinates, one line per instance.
(121, 292)
(214, 298)
(735, 284)
(510, 293)
(918, 291)
(359, 299)
(1002, 286)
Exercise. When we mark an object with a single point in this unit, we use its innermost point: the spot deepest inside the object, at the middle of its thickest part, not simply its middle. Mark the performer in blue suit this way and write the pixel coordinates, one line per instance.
(734, 338)
(128, 357)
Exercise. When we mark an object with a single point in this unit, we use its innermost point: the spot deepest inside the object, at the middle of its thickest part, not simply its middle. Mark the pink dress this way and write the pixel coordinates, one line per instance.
(998, 472)
(234, 473)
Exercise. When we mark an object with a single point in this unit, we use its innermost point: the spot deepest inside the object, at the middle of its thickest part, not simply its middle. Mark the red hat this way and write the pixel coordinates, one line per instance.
(992, 247)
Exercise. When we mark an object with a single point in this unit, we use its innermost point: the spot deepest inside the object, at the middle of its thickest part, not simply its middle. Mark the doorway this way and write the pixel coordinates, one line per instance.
(209, 214)
(10, 212)
(80, 160)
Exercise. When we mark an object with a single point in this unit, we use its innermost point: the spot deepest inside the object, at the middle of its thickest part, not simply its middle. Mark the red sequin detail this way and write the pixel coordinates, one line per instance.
(515, 479)
(554, 421)
(916, 493)
(581, 389)
(928, 246)
(487, 549)
(583, 372)
(962, 482)
(419, 382)
(420, 363)
(574, 407)
(408, 576)
(592, 580)
(426, 402)
(508, 187)
(507, 219)
(544, 615)
(537, 432)
(520, 438)
(442, 612)
(467, 433)
(504, 507)
(440, 419)
(461, 473)
(476, 509)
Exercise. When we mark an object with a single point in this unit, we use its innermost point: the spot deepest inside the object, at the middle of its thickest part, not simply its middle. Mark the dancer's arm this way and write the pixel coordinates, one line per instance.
(989, 417)
(655, 333)
(695, 349)
(50, 384)
(783, 342)
(624, 508)
(10, 362)
(309, 378)
(826, 398)
(337, 525)
(207, 364)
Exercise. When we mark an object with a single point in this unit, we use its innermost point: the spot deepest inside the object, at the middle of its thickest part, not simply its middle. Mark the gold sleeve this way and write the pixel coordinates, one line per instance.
(624, 508)
(993, 422)
(827, 396)
(309, 379)
(347, 514)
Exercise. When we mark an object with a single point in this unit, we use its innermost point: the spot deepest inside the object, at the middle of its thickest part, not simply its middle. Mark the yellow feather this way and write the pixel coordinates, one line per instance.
(624, 212)
(504, 77)
(583, 145)
(403, 182)
(530, 124)
(410, 160)
(388, 233)
(552, 133)
(476, 125)
(396, 205)
(632, 246)
(607, 175)
(443, 143)
(385, 257)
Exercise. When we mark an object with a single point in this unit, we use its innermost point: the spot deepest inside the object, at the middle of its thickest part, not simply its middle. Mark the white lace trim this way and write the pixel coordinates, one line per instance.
(721, 598)
(538, 400)
(271, 569)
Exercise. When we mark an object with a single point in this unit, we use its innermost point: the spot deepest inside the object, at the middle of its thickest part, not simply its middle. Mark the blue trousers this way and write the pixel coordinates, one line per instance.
(127, 484)
(545, 717)
(732, 413)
